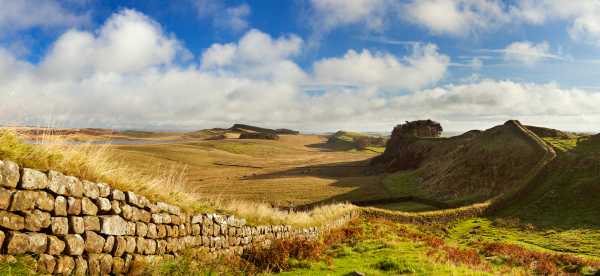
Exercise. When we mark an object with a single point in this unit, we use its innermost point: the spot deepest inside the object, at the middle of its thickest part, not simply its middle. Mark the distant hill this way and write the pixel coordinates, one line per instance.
(355, 140)
(249, 128)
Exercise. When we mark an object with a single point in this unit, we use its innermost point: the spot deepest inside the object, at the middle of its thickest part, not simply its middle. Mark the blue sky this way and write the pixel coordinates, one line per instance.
(308, 64)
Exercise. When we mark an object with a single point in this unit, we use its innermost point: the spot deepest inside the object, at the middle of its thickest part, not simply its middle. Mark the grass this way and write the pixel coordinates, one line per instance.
(408, 206)
(163, 182)
(17, 266)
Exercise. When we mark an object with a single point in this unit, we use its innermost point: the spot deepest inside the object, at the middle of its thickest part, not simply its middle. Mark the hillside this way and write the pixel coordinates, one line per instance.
(469, 168)
(348, 140)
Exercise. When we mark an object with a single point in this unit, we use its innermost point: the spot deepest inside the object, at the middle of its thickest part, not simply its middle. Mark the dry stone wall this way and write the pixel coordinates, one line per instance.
(73, 226)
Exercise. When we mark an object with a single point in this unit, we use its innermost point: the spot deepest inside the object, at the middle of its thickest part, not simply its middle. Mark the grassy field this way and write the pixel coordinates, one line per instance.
(297, 169)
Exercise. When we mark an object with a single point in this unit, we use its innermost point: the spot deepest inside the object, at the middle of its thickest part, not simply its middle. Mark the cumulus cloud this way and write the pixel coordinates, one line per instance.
(460, 17)
(234, 18)
(18, 15)
(98, 79)
(424, 67)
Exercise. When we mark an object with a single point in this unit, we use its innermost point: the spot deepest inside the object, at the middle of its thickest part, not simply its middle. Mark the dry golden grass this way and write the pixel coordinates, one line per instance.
(160, 182)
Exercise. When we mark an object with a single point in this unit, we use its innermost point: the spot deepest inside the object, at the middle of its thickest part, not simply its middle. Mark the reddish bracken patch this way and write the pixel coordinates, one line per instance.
(540, 262)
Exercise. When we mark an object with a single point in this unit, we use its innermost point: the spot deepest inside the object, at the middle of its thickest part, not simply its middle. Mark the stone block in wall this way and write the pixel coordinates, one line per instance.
(33, 180)
(144, 216)
(120, 246)
(94, 243)
(36, 220)
(115, 207)
(91, 223)
(140, 245)
(141, 229)
(131, 228)
(76, 225)
(118, 266)
(60, 206)
(216, 229)
(38, 243)
(161, 231)
(113, 225)
(55, 246)
(150, 248)
(109, 243)
(103, 189)
(81, 266)
(90, 189)
(152, 231)
(127, 211)
(74, 244)
(46, 264)
(64, 265)
(11, 221)
(161, 218)
(9, 174)
(161, 247)
(59, 226)
(73, 206)
(44, 201)
(219, 219)
(104, 205)
(131, 245)
(175, 219)
(17, 243)
(57, 183)
(207, 229)
(106, 264)
(23, 201)
(5, 197)
(117, 195)
(74, 187)
(2, 237)
(182, 230)
(94, 264)
(196, 229)
(196, 219)
(134, 199)
(88, 207)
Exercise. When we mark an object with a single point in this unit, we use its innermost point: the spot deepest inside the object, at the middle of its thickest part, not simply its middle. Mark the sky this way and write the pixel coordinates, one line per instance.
(312, 65)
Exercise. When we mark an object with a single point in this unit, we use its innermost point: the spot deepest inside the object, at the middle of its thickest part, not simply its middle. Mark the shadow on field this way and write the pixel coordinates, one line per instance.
(325, 146)
(358, 175)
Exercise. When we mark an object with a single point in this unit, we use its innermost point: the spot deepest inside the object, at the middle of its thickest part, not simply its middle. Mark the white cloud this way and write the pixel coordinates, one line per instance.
(234, 18)
(330, 14)
(424, 67)
(18, 15)
(257, 56)
(242, 82)
(527, 52)
(456, 17)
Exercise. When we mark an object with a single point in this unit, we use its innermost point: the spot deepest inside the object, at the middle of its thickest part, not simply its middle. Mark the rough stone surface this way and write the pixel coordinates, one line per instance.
(76, 225)
(103, 189)
(38, 243)
(11, 221)
(113, 225)
(94, 243)
(74, 187)
(33, 180)
(103, 204)
(44, 201)
(88, 207)
(109, 244)
(46, 264)
(115, 207)
(2, 237)
(17, 243)
(73, 206)
(74, 244)
(55, 245)
(106, 263)
(117, 195)
(23, 201)
(9, 174)
(90, 189)
(60, 206)
(134, 199)
(57, 183)
(141, 229)
(5, 196)
(91, 223)
(94, 264)
(131, 245)
(120, 246)
(36, 220)
(60, 226)
(65, 265)
(81, 266)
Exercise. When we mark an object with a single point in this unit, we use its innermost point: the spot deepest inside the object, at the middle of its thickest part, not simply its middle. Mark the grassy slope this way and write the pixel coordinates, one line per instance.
(466, 171)
(566, 194)
(344, 140)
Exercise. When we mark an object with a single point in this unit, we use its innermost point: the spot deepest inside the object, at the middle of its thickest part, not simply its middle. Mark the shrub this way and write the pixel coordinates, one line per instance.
(398, 266)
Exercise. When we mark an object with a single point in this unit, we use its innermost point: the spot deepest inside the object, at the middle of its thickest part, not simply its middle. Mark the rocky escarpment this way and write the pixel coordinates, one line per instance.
(74, 226)
(248, 128)
(259, 135)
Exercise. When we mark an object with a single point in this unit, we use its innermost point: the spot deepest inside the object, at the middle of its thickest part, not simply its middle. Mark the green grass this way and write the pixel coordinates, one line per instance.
(409, 206)
(19, 266)
(402, 183)
(583, 242)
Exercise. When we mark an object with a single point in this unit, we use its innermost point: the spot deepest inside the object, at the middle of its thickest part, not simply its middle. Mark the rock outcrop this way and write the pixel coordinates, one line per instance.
(259, 135)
